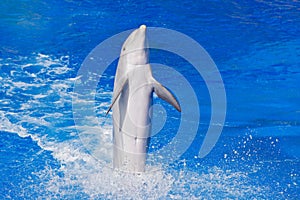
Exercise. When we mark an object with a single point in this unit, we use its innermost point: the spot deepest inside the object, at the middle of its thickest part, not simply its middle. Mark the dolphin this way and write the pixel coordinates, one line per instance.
(133, 90)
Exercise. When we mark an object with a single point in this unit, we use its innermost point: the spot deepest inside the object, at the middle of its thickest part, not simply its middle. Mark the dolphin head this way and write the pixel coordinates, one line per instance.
(134, 49)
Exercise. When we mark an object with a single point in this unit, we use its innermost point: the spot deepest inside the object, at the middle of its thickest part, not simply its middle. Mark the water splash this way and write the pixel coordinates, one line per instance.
(36, 102)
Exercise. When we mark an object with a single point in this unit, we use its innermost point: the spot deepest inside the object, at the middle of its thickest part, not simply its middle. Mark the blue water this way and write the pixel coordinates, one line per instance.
(256, 47)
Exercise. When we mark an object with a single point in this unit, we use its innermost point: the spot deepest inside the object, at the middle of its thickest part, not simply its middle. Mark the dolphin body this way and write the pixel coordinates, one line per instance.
(132, 98)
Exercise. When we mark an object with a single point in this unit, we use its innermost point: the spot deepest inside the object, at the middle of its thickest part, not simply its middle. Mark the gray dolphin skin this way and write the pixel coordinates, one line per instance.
(132, 99)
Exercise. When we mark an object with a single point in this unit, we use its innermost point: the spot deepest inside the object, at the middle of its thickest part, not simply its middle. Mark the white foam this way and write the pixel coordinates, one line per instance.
(6, 125)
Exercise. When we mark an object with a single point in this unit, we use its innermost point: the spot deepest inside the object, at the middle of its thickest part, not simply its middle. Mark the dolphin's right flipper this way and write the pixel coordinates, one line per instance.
(166, 95)
(117, 94)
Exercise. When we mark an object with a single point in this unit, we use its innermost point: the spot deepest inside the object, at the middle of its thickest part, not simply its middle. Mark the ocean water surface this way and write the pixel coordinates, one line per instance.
(44, 154)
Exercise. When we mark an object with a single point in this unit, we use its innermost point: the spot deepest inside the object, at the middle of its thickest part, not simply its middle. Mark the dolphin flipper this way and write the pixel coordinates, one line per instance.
(166, 95)
(118, 92)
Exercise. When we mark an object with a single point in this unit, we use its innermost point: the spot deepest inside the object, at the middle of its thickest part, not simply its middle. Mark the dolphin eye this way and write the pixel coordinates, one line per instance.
(124, 49)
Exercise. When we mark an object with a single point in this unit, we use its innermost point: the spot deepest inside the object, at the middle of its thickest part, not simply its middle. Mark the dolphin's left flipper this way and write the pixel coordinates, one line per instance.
(118, 92)
(166, 95)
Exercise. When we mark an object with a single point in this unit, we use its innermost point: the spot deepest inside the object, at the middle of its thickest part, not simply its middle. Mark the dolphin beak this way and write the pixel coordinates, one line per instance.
(143, 27)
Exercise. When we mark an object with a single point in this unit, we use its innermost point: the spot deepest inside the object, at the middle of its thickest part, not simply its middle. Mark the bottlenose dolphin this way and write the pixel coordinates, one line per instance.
(132, 99)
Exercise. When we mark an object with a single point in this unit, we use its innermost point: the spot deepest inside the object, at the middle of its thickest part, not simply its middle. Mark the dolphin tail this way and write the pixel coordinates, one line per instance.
(166, 95)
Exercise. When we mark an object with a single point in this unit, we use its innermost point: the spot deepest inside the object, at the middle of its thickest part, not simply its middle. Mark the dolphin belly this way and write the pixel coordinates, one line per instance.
(132, 123)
